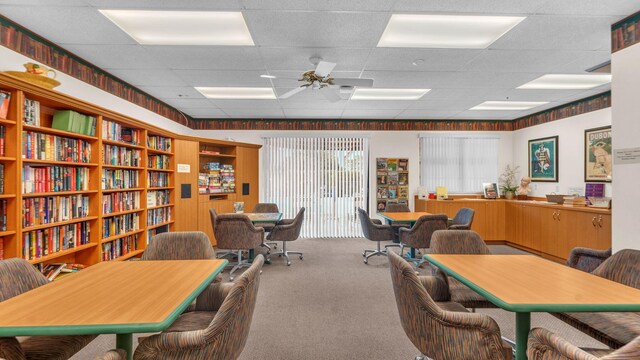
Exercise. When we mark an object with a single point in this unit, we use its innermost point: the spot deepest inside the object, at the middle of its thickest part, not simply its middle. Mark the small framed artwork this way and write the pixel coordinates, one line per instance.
(597, 154)
(490, 190)
(543, 159)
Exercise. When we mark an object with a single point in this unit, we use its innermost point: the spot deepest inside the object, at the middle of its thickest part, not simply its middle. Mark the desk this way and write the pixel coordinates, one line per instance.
(526, 283)
(410, 217)
(115, 297)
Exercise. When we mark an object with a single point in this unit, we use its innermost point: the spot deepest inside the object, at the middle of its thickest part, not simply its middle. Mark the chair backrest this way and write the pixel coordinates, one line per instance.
(463, 219)
(213, 214)
(288, 232)
(432, 329)
(423, 229)
(236, 231)
(396, 207)
(458, 242)
(266, 208)
(365, 222)
(229, 329)
(17, 276)
(188, 245)
(622, 267)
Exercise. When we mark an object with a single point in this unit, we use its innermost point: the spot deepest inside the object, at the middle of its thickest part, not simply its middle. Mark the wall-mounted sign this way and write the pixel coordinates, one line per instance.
(184, 168)
(627, 156)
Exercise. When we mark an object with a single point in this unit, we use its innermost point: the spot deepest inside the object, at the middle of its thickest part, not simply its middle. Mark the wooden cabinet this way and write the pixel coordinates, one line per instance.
(488, 219)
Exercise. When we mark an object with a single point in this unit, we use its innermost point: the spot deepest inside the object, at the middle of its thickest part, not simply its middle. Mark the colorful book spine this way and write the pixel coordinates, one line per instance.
(120, 201)
(1, 248)
(113, 179)
(159, 162)
(157, 198)
(116, 132)
(119, 247)
(120, 224)
(5, 98)
(157, 179)
(3, 215)
(38, 146)
(158, 216)
(161, 143)
(120, 156)
(1, 178)
(3, 136)
(51, 209)
(43, 242)
(37, 179)
(31, 113)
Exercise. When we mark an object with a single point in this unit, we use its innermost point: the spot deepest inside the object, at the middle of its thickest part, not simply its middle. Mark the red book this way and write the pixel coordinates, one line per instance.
(5, 96)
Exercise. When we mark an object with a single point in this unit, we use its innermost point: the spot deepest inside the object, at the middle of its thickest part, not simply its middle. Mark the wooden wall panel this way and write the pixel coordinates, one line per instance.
(248, 172)
(186, 210)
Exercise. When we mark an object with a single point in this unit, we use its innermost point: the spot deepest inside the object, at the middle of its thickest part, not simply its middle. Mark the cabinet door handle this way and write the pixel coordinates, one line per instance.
(558, 215)
(593, 221)
(600, 221)
(554, 215)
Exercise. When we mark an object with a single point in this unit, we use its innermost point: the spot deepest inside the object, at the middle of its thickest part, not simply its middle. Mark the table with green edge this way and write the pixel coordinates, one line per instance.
(116, 297)
(527, 283)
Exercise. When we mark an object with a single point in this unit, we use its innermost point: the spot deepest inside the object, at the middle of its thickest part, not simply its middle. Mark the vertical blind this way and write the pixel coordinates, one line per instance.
(327, 176)
(460, 163)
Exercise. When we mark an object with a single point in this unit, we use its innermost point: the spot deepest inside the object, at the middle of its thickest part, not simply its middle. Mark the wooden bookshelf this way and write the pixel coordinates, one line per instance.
(160, 197)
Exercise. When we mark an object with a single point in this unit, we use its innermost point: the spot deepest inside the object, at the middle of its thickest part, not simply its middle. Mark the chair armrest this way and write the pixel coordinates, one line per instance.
(586, 259)
(543, 344)
(285, 221)
(172, 341)
(458, 227)
(376, 221)
(213, 296)
(10, 349)
(114, 354)
(436, 287)
(629, 351)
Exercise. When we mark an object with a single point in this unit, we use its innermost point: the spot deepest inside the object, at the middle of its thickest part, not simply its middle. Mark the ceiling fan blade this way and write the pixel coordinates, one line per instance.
(329, 94)
(324, 68)
(289, 94)
(353, 82)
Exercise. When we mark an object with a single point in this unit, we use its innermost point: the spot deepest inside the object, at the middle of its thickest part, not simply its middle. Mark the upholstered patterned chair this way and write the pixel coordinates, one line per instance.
(188, 245)
(442, 330)
(462, 220)
(545, 345)
(419, 236)
(374, 231)
(17, 276)
(614, 329)
(236, 232)
(267, 226)
(396, 207)
(587, 259)
(460, 242)
(289, 230)
(115, 354)
(217, 329)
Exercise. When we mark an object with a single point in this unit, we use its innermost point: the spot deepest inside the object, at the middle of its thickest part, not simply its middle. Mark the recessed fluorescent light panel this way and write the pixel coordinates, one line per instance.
(446, 31)
(508, 105)
(238, 93)
(567, 82)
(388, 94)
(149, 27)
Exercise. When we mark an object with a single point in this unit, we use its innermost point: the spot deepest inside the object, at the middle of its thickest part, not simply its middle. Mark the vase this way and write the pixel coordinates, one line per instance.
(508, 195)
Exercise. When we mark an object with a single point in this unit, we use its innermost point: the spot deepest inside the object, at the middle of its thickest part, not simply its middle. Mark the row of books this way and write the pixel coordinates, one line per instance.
(56, 271)
(3, 136)
(575, 201)
(43, 242)
(72, 121)
(5, 98)
(158, 216)
(3, 215)
(1, 178)
(51, 209)
(117, 248)
(116, 132)
(31, 113)
(161, 143)
(392, 192)
(157, 198)
(159, 162)
(157, 179)
(41, 146)
(392, 178)
(120, 201)
(1, 243)
(120, 224)
(119, 179)
(120, 156)
(36, 179)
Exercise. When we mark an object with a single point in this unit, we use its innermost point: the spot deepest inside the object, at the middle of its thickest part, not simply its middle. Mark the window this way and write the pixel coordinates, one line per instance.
(327, 176)
(461, 163)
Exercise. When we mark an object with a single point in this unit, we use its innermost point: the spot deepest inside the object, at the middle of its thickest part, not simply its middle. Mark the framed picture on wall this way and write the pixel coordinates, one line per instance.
(597, 154)
(543, 159)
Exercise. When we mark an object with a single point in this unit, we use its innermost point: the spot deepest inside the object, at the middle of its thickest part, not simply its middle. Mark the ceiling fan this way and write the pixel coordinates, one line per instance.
(320, 79)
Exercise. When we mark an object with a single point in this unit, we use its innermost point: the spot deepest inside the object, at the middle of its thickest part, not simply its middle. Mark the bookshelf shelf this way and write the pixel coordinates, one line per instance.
(121, 143)
(7, 233)
(62, 253)
(51, 131)
(160, 224)
(128, 255)
(7, 122)
(7, 196)
(158, 152)
(59, 193)
(160, 188)
(122, 167)
(7, 158)
(60, 163)
(122, 212)
(217, 155)
(160, 170)
(159, 206)
(121, 190)
(119, 236)
(59, 223)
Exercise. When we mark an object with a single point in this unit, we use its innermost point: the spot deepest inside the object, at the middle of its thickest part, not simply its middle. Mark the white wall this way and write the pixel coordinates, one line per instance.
(625, 127)
(570, 132)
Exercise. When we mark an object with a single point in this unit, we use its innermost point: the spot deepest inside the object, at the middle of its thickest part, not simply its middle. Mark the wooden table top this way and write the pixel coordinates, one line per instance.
(402, 216)
(110, 297)
(527, 283)
(264, 217)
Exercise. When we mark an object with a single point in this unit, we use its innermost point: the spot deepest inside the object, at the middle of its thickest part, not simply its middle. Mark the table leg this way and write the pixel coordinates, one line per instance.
(523, 325)
(412, 253)
(125, 342)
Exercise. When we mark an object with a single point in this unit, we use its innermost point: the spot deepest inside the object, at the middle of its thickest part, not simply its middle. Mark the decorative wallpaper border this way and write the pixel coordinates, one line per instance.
(625, 32)
(27, 43)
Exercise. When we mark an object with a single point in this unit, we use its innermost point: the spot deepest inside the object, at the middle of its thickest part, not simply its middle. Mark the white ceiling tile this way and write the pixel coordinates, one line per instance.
(316, 29)
(487, 114)
(44, 2)
(207, 113)
(527, 95)
(427, 114)
(167, 4)
(546, 61)
(318, 103)
(451, 104)
(275, 4)
(208, 57)
(148, 77)
(254, 113)
(442, 79)
(312, 113)
(287, 58)
(190, 103)
(351, 5)
(590, 7)
(401, 59)
(469, 7)
(223, 78)
(371, 114)
(377, 105)
(116, 56)
(172, 92)
(68, 25)
(242, 104)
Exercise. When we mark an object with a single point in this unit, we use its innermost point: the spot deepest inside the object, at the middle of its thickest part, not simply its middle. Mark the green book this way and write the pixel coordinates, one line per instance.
(62, 120)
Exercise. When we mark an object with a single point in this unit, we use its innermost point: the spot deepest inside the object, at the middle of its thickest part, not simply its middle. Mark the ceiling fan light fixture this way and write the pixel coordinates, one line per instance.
(388, 94)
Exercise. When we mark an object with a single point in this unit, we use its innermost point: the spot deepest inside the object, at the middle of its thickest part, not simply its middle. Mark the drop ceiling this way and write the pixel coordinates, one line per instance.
(556, 37)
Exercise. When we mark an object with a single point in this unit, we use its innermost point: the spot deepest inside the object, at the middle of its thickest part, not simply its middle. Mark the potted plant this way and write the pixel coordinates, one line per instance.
(508, 184)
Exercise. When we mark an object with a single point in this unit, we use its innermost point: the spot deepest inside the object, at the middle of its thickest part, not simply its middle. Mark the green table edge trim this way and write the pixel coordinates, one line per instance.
(534, 307)
(113, 328)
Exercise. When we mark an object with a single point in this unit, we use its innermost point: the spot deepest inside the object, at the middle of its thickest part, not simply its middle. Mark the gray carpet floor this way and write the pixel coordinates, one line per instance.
(333, 306)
